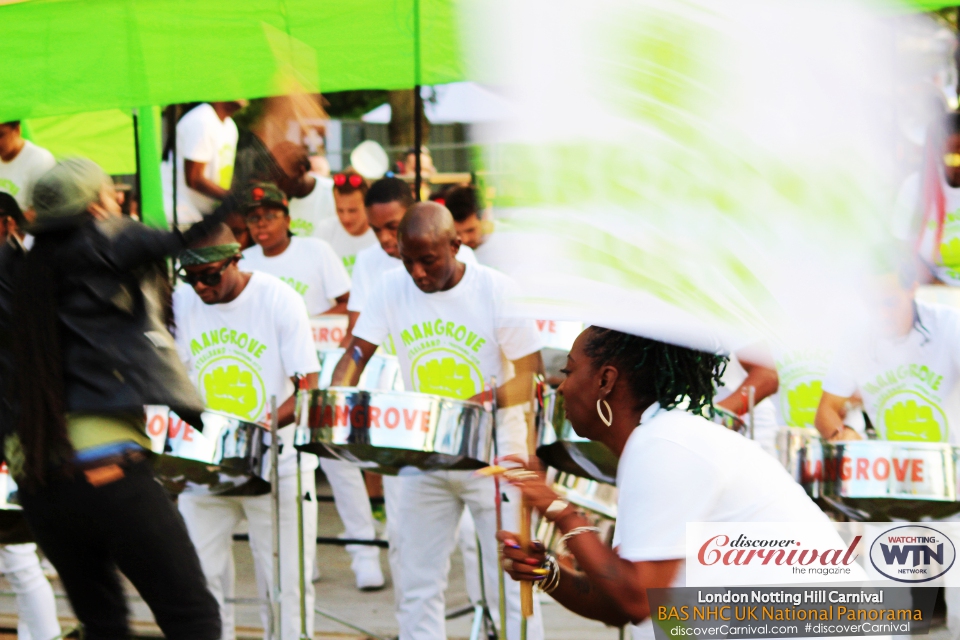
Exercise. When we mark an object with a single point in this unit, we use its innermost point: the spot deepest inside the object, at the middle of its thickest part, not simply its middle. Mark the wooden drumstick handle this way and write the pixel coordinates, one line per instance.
(526, 588)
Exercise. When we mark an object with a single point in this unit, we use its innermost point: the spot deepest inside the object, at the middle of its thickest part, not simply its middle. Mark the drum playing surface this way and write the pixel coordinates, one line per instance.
(387, 431)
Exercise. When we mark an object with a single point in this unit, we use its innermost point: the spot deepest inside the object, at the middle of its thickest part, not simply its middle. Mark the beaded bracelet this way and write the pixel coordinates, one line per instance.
(577, 531)
(552, 581)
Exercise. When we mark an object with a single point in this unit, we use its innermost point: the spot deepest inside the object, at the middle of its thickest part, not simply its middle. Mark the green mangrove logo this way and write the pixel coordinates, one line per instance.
(298, 286)
(950, 246)
(301, 227)
(907, 415)
(802, 401)
(445, 372)
(348, 262)
(231, 385)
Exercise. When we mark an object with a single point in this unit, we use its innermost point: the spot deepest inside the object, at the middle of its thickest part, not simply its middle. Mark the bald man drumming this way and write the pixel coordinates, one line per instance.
(452, 332)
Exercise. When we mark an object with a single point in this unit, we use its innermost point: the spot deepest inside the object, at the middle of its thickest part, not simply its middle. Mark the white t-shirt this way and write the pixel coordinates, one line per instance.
(449, 343)
(678, 468)
(373, 262)
(945, 259)
(764, 412)
(309, 266)
(345, 245)
(905, 382)
(307, 213)
(18, 176)
(240, 353)
(201, 137)
(801, 372)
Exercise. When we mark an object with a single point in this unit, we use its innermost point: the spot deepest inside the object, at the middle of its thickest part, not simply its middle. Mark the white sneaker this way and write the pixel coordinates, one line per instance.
(369, 576)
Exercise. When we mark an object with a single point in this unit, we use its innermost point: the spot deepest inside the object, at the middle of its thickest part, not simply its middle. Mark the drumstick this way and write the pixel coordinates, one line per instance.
(526, 588)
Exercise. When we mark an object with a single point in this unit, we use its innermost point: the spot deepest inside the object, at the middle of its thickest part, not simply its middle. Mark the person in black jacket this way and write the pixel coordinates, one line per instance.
(89, 349)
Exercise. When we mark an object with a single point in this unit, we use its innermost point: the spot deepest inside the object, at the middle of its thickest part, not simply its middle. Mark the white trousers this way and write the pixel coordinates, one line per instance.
(211, 521)
(353, 506)
(430, 508)
(36, 606)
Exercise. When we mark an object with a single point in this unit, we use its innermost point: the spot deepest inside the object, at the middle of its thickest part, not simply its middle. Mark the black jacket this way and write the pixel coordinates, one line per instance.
(117, 353)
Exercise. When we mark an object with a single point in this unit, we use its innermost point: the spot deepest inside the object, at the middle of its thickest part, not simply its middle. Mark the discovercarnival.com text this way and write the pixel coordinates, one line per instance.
(811, 628)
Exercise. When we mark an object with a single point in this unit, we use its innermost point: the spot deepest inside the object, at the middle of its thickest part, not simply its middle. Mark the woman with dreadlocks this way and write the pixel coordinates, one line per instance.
(646, 400)
(89, 349)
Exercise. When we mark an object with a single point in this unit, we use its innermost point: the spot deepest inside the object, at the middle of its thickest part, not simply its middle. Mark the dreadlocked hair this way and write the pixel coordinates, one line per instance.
(41, 423)
(657, 371)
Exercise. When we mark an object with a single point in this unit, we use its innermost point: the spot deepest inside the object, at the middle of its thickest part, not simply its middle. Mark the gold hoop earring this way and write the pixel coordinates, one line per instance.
(607, 421)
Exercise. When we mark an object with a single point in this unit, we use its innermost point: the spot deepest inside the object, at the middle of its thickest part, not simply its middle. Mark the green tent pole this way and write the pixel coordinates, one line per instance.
(151, 190)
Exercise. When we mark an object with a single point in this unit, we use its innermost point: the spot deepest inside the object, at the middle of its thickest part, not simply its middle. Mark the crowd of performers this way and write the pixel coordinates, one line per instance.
(92, 332)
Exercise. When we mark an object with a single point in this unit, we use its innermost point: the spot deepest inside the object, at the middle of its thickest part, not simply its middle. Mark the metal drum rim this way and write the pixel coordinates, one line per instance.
(929, 446)
(224, 414)
(431, 396)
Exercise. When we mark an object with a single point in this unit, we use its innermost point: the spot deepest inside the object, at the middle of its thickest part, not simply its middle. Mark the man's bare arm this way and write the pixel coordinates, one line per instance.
(352, 363)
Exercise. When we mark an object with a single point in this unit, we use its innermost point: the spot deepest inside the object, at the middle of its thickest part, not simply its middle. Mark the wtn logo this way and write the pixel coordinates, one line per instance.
(922, 553)
(912, 553)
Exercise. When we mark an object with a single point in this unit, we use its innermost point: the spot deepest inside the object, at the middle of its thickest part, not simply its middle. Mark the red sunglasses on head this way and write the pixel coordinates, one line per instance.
(341, 179)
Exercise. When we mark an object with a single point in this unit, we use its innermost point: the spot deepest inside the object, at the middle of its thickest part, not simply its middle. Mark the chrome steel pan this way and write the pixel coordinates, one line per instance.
(792, 450)
(381, 373)
(597, 500)
(386, 431)
(226, 459)
(560, 447)
(881, 479)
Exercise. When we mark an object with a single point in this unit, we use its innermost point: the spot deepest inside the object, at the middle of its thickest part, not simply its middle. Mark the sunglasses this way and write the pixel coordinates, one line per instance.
(208, 279)
(269, 216)
(353, 179)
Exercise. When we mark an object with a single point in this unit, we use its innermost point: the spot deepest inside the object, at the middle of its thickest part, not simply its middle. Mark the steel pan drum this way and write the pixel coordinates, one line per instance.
(226, 459)
(597, 500)
(877, 480)
(386, 431)
(13, 524)
(792, 451)
(381, 373)
(560, 447)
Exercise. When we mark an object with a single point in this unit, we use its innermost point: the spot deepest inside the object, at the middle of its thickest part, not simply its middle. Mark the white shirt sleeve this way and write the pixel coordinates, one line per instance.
(359, 285)
(181, 314)
(517, 336)
(297, 351)
(656, 503)
(373, 325)
(194, 141)
(336, 280)
(466, 255)
(840, 381)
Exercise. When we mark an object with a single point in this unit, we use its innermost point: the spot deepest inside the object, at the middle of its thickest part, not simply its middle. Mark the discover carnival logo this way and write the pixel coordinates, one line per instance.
(741, 550)
(912, 553)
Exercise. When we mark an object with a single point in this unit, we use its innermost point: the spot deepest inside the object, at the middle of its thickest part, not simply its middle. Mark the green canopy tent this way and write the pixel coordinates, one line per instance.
(105, 58)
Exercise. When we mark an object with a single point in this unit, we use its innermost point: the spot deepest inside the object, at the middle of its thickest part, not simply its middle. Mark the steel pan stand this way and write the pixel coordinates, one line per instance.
(501, 574)
(275, 518)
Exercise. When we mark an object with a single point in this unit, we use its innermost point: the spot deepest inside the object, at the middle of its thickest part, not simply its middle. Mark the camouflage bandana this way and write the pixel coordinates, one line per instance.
(206, 255)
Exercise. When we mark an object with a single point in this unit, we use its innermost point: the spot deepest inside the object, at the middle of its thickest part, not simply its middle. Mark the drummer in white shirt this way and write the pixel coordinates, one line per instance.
(904, 371)
(452, 332)
(349, 232)
(314, 271)
(386, 202)
(243, 337)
